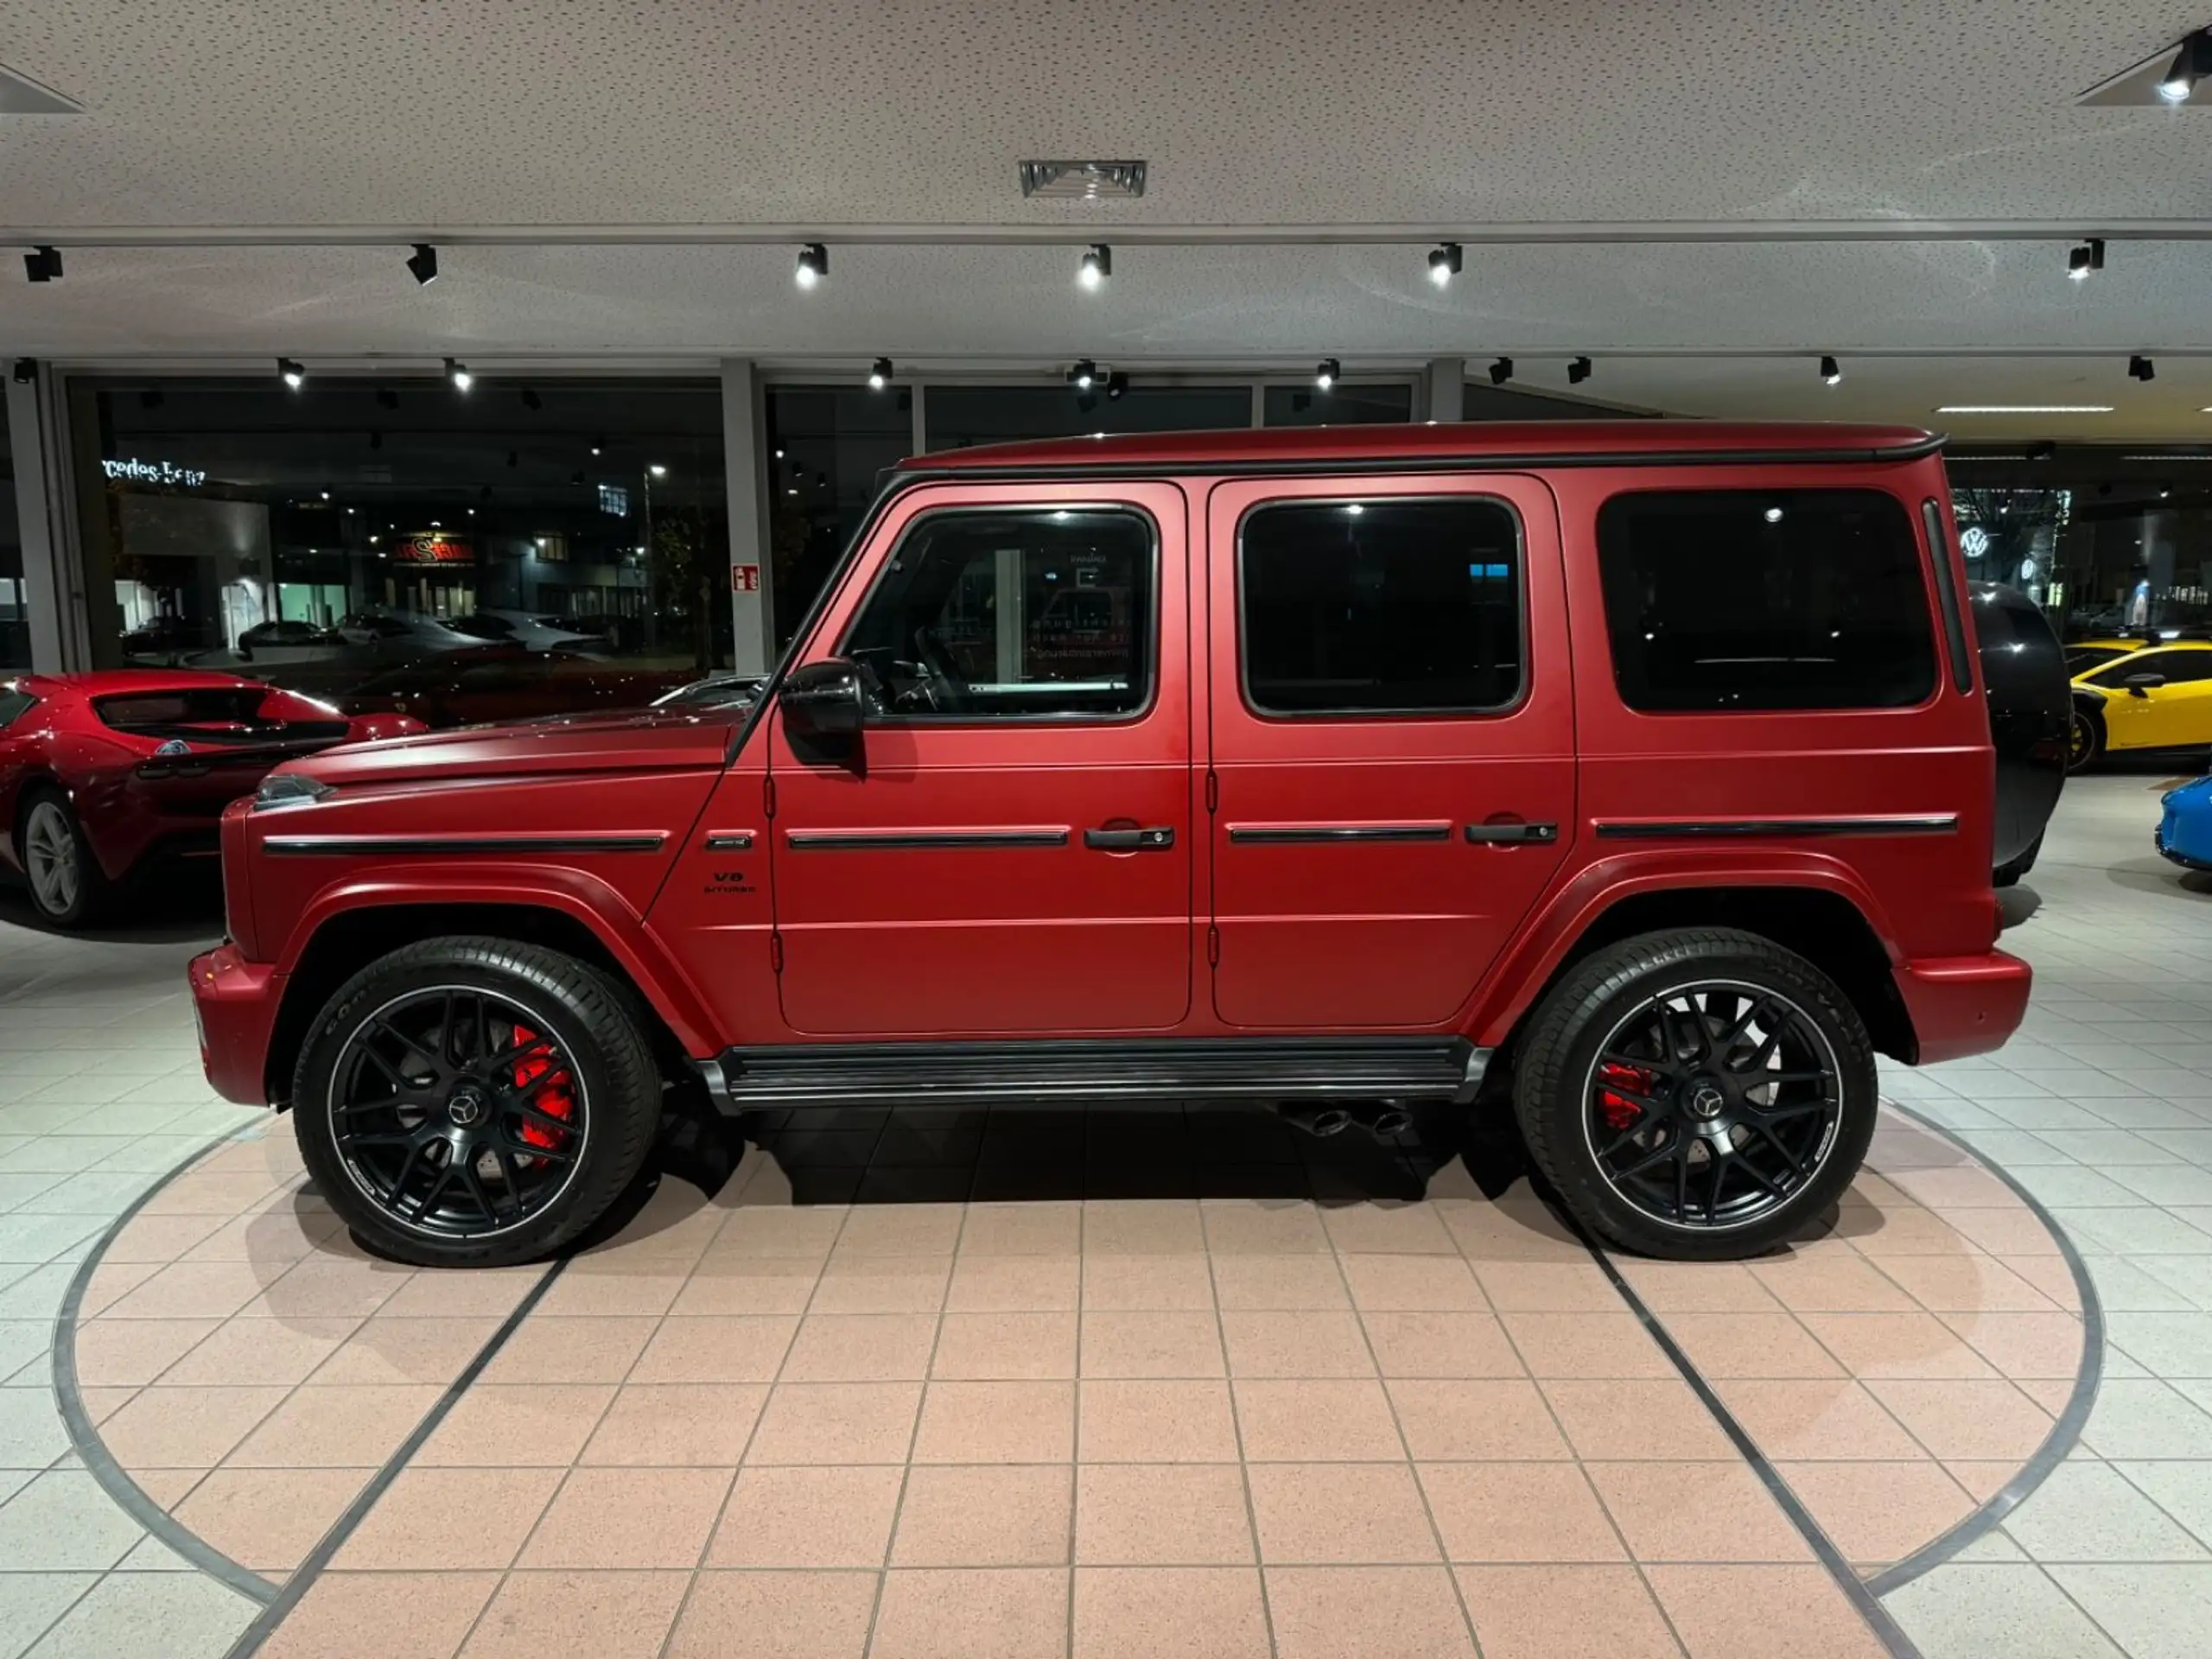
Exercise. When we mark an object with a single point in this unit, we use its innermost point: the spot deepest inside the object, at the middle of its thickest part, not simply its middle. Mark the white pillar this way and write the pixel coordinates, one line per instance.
(745, 471)
(1443, 382)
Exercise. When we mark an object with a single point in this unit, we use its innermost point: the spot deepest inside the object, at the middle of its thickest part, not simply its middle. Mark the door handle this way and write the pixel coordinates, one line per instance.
(1509, 835)
(1155, 839)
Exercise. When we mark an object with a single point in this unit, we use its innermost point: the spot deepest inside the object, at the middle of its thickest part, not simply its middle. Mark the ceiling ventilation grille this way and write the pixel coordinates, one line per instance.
(19, 95)
(1083, 180)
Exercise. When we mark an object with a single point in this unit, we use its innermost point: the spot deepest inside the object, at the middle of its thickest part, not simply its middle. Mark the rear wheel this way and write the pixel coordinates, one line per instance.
(67, 886)
(474, 1101)
(2085, 740)
(1700, 1094)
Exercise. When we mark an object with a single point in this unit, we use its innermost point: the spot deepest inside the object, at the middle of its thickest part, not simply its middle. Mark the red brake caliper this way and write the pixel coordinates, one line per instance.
(552, 1098)
(1620, 1112)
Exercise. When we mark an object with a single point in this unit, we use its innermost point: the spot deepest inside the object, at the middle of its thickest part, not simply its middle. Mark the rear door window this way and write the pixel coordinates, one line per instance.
(1722, 602)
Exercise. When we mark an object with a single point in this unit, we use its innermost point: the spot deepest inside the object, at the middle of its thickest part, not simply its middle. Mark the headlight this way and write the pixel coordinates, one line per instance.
(290, 789)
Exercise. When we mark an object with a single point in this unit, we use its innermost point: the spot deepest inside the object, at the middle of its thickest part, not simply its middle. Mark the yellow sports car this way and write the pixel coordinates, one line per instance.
(2153, 697)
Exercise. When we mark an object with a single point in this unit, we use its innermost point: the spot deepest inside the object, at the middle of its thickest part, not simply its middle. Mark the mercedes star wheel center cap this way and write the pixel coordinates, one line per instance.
(464, 1106)
(1705, 1101)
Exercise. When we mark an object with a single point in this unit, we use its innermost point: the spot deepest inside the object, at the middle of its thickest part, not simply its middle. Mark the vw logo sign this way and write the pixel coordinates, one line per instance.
(1974, 540)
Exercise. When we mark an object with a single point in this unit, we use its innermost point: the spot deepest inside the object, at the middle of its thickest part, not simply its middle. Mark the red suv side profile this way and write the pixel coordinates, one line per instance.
(1636, 772)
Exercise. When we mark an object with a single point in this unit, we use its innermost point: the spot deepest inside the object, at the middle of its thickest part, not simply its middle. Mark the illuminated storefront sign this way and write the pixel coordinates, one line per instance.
(134, 471)
(433, 547)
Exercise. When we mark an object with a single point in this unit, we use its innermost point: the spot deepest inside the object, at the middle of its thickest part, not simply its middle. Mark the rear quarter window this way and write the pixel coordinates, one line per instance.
(1724, 601)
(14, 705)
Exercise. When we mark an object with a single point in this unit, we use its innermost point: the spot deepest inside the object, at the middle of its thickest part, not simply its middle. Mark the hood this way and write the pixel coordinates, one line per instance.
(641, 739)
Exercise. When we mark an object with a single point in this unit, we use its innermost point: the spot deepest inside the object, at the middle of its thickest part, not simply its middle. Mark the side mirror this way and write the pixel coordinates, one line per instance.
(2139, 685)
(824, 706)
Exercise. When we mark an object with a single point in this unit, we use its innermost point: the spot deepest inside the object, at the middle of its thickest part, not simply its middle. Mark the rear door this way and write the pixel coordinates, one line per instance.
(1392, 741)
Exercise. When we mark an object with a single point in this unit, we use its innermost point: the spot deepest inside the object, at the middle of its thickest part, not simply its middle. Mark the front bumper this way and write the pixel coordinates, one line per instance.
(235, 1002)
(2175, 846)
(1963, 1005)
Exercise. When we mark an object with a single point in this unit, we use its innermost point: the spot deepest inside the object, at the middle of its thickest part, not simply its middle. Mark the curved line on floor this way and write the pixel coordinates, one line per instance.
(2064, 1433)
(85, 1438)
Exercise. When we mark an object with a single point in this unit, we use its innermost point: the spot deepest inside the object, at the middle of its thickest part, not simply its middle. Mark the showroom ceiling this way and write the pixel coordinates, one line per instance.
(879, 124)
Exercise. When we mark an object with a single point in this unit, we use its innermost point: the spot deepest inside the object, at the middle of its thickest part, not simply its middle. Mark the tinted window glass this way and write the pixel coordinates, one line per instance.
(2179, 667)
(14, 705)
(1729, 600)
(2082, 658)
(1013, 615)
(1389, 606)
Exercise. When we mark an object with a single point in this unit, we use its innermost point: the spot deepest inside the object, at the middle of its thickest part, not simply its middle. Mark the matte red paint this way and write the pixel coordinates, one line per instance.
(750, 940)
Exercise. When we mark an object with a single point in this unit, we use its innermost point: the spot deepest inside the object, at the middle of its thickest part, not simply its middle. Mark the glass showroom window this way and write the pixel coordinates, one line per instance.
(960, 416)
(828, 448)
(15, 617)
(397, 541)
(1364, 404)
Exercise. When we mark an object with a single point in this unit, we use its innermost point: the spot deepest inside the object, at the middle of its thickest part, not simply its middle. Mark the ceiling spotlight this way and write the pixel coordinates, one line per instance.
(291, 373)
(1097, 265)
(2192, 62)
(1578, 370)
(1116, 384)
(422, 264)
(879, 373)
(43, 265)
(2141, 367)
(1083, 373)
(1831, 374)
(2084, 257)
(813, 265)
(1328, 373)
(530, 399)
(1500, 371)
(457, 372)
(657, 470)
(599, 443)
(25, 371)
(1444, 263)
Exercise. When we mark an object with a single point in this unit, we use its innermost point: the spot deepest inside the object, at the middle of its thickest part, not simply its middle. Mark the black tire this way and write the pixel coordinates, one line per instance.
(587, 1013)
(90, 893)
(2008, 875)
(1558, 1071)
(2085, 740)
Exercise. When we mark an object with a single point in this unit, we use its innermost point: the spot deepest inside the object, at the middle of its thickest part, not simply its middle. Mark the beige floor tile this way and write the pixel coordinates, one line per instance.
(1696, 1287)
(837, 1422)
(808, 1517)
(2052, 1275)
(504, 1425)
(1301, 1421)
(998, 1347)
(1496, 1418)
(1161, 1514)
(406, 1351)
(1518, 1512)
(717, 1348)
(2024, 1345)
(269, 1519)
(1609, 1344)
(861, 1347)
(882, 1284)
(1441, 1344)
(900, 1230)
(1154, 1421)
(1635, 1419)
(1548, 1287)
(1696, 1512)
(676, 1424)
(193, 1290)
(1151, 1343)
(1142, 1227)
(1518, 1228)
(781, 1615)
(185, 1427)
(1263, 1227)
(1752, 1345)
(599, 1349)
(1392, 1228)
(608, 1285)
(131, 1353)
(1002, 1613)
(1706, 1605)
(454, 1295)
(153, 1241)
(1982, 1481)
(1966, 1419)
(1170, 1613)
(997, 1422)
(1963, 1282)
(1006, 1515)
(1015, 1284)
(779, 1229)
(167, 1487)
(1829, 1281)
(2051, 1393)
(2010, 1232)
(1340, 1514)
(1547, 1612)
(344, 1425)
(1880, 1512)
(749, 1284)
(606, 1615)
(1825, 1420)
(1308, 1280)
(1130, 1282)
(1384, 1283)
(328, 1285)
(449, 1519)
(1366, 1613)
(261, 1353)
(1024, 1229)
(1314, 1343)
(1913, 1344)
(629, 1519)
(116, 1278)
(351, 1614)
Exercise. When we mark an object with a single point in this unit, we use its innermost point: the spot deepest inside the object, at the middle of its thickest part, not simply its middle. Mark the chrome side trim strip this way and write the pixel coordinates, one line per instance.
(389, 846)
(1934, 824)
(853, 841)
(1288, 835)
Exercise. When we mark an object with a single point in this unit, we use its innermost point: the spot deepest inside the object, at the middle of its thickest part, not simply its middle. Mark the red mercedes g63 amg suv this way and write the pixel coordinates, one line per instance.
(1637, 772)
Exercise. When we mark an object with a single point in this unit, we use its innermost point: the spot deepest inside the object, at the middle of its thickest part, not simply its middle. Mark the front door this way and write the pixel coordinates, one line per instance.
(1008, 850)
(2175, 715)
(1392, 737)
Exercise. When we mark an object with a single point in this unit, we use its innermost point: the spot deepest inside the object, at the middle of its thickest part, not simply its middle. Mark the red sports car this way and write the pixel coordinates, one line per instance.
(101, 773)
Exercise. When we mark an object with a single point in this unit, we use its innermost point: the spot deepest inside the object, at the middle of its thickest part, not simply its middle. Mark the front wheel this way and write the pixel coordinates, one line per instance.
(2085, 740)
(1700, 1094)
(474, 1101)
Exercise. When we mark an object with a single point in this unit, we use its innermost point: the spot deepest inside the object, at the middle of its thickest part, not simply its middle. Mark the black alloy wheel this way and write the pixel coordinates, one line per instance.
(2085, 740)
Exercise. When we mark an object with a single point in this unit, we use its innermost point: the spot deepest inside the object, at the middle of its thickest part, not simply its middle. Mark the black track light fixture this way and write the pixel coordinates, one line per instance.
(376, 439)
(1578, 370)
(1500, 371)
(531, 400)
(1831, 371)
(25, 371)
(1118, 384)
(291, 373)
(1097, 265)
(878, 374)
(1328, 373)
(2084, 257)
(387, 398)
(576, 477)
(2192, 62)
(1083, 373)
(599, 443)
(2141, 367)
(813, 265)
(423, 265)
(457, 372)
(1444, 260)
(1086, 401)
(43, 265)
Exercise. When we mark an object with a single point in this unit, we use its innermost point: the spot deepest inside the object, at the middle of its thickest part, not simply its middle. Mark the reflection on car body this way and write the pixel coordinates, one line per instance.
(484, 683)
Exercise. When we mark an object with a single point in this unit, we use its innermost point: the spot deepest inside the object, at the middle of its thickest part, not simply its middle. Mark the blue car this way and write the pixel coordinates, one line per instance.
(2184, 833)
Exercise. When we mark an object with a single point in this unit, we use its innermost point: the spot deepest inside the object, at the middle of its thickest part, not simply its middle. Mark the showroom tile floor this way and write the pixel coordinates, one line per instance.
(1122, 1383)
